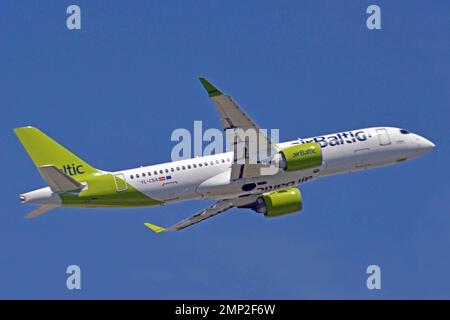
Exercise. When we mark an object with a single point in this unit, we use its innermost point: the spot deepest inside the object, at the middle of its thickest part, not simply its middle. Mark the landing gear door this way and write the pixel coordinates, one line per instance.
(361, 158)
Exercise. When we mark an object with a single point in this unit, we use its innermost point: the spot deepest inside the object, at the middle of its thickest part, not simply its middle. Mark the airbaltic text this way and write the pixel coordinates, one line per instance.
(338, 139)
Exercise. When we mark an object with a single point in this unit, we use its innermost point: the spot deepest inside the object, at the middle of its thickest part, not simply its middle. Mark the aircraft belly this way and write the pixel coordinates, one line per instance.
(219, 185)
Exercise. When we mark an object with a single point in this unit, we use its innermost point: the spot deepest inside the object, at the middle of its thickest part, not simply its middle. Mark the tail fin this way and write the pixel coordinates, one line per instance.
(45, 151)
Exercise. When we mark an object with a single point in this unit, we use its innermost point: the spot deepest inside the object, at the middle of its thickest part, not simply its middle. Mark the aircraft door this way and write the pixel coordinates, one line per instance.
(120, 182)
(383, 137)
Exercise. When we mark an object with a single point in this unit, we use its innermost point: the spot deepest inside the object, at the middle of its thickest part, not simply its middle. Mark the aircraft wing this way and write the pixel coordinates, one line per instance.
(215, 209)
(249, 146)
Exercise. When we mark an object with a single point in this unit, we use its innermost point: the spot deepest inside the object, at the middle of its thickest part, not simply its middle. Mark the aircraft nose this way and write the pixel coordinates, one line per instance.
(426, 145)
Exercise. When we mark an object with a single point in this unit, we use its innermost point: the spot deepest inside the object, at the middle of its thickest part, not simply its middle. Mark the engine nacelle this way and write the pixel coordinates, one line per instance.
(301, 157)
(280, 202)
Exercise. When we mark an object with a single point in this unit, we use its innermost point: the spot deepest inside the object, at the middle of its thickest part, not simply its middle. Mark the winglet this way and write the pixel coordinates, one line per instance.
(154, 228)
(212, 91)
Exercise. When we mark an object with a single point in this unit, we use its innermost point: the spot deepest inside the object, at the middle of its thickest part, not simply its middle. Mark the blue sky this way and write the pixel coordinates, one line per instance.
(114, 91)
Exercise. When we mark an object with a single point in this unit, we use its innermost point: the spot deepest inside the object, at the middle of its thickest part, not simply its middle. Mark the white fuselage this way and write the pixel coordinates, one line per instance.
(209, 177)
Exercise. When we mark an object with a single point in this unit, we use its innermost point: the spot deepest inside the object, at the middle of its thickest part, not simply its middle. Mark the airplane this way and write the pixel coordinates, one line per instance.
(233, 179)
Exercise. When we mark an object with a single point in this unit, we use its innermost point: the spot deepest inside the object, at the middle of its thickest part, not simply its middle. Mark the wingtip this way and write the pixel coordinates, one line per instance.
(212, 91)
(18, 129)
(154, 228)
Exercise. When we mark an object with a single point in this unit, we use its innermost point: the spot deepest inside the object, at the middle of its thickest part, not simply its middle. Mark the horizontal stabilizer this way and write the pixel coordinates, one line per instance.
(57, 180)
(39, 211)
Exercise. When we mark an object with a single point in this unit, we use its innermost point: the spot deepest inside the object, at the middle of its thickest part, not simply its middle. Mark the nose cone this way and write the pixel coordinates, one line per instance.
(426, 145)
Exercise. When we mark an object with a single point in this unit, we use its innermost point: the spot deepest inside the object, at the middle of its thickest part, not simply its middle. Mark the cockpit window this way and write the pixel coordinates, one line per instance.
(403, 131)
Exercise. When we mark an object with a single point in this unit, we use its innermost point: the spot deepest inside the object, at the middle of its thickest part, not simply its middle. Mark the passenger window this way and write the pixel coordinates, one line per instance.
(167, 170)
(189, 166)
(143, 174)
(206, 164)
(171, 169)
(223, 160)
(149, 173)
(217, 161)
(211, 162)
(155, 172)
(200, 165)
(131, 177)
(183, 167)
(161, 172)
(194, 165)
(178, 168)
(228, 159)
(137, 176)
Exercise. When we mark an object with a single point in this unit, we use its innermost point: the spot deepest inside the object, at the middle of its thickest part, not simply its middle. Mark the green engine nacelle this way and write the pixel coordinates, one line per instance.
(301, 157)
(278, 203)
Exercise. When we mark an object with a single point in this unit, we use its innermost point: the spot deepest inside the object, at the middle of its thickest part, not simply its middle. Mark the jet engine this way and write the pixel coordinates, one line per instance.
(299, 157)
(278, 203)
